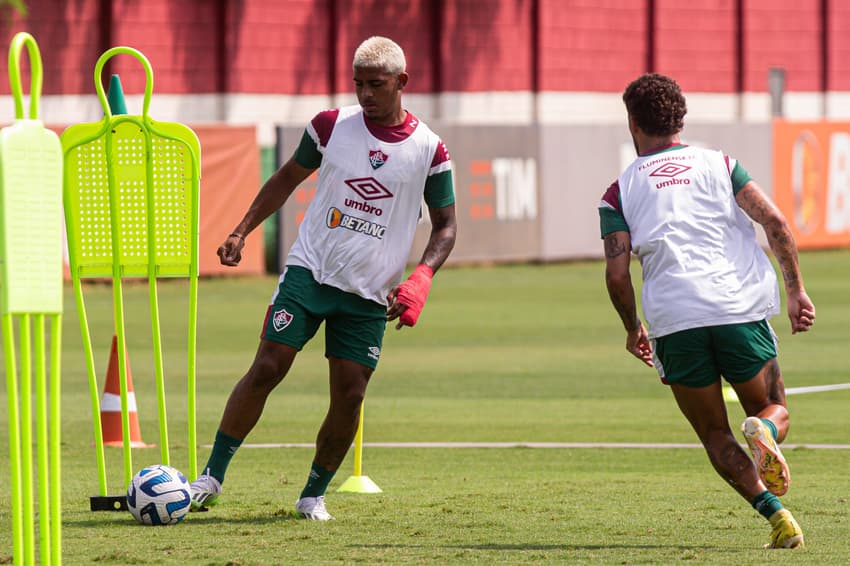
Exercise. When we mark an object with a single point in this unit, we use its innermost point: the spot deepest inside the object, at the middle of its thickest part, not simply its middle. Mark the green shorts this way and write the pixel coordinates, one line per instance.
(354, 326)
(697, 357)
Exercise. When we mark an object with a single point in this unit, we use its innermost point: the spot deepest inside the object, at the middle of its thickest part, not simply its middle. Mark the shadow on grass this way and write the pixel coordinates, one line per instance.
(198, 518)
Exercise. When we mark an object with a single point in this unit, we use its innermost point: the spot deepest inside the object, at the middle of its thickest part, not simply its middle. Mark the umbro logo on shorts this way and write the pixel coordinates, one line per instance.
(281, 319)
(374, 352)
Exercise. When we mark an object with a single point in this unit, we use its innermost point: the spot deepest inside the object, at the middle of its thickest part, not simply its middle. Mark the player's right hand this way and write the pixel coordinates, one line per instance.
(230, 252)
(638, 345)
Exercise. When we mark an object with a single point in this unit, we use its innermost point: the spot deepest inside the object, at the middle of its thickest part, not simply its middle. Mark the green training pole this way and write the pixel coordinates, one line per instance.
(55, 417)
(12, 399)
(118, 316)
(117, 105)
(192, 345)
(192, 323)
(30, 294)
(25, 345)
(94, 399)
(42, 438)
(42, 442)
(117, 291)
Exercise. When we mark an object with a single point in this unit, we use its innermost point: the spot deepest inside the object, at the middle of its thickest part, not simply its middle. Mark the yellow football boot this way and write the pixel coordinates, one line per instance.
(786, 532)
(772, 468)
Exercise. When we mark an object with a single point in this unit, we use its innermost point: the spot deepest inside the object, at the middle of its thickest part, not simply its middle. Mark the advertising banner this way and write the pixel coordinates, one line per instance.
(497, 194)
(230, 179)
(811, 163)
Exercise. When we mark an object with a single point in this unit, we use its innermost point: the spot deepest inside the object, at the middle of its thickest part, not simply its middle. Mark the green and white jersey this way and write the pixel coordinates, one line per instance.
(702, 265)
(357, 231)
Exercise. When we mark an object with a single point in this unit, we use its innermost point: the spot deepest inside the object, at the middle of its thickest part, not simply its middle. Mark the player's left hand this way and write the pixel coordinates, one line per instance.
(638, 345)
(801, 311)
(408, 298)
(395, 309)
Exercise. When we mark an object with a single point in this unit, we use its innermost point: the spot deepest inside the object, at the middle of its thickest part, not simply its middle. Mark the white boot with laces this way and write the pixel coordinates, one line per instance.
(313, 508)
(204, 492)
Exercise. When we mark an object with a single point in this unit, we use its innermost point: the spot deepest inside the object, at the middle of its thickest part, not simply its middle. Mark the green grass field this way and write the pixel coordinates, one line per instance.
(501, 354)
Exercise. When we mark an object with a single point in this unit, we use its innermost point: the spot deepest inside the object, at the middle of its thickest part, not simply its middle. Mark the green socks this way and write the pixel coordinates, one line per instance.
(225, 447)
(769, 424)
(317, 481)
(223, 450)
(767, 504)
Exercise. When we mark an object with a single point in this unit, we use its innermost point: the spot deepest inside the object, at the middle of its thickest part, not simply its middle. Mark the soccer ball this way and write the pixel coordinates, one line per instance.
(158, 495)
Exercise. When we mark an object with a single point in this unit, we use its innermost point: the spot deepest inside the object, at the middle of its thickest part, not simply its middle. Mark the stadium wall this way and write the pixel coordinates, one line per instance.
(531, 192)
(539, 80)
(471, 61)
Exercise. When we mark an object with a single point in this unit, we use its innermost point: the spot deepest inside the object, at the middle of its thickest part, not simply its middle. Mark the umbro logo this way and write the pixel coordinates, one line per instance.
(368, 188)
(669, 170)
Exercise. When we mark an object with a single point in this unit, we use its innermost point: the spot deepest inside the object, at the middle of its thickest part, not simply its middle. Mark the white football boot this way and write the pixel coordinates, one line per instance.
(313, 508)
(205, 492)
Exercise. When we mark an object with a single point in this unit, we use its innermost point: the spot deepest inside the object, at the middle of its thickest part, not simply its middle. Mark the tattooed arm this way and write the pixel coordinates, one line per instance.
(618, 279)
(753, 201)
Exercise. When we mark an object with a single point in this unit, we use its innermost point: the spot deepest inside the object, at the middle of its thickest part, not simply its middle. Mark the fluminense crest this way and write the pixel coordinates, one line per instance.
(377, 158)
(281, 319)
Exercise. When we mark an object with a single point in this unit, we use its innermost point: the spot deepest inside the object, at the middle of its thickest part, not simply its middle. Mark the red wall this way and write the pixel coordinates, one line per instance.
(695, 43)
(486, 45)
(305, 46)
(838, 35)
(278, 47)
(586, 47)
(410, 23)
(178, 39)
(67, 37)
(782, 33)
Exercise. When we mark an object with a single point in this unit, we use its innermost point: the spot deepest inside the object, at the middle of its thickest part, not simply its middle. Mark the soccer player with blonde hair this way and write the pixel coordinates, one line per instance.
(376, 161)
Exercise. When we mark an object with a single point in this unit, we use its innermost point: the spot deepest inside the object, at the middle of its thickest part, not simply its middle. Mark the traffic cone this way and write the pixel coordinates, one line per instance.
(110, 405)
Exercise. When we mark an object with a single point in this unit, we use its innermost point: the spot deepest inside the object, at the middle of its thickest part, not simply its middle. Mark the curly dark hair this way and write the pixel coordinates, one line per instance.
(656, 103)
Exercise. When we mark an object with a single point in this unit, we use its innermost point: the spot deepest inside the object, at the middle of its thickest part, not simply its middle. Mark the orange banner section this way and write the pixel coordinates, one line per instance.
(230, 179)
(811, 181)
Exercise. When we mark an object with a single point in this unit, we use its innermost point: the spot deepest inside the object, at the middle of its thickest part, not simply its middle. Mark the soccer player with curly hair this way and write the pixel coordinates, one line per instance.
(708, 291)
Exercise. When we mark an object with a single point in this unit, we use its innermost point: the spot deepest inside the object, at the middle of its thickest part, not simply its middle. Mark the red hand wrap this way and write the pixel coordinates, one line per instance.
(413, 292)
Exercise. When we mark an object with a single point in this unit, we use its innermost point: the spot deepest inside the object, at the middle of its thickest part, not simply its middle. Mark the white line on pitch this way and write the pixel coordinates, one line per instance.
(816, 388)
(532, 445)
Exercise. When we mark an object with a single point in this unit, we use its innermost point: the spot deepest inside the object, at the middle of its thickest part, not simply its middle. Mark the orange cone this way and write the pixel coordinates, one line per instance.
(110, 405)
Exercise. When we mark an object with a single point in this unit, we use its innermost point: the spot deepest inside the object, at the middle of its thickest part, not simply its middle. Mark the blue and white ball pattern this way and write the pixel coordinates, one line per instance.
(159, 495)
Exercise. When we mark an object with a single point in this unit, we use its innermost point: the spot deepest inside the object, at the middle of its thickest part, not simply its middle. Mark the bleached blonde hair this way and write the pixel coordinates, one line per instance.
(380, 53)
